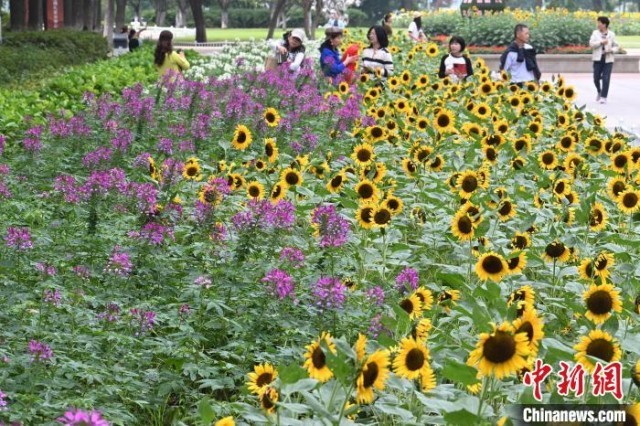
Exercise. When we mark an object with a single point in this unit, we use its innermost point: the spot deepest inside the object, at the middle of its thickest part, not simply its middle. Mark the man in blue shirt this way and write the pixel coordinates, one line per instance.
(519, 59)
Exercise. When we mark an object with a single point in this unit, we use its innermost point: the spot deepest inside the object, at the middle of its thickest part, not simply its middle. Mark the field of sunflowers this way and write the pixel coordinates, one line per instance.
(267, 250)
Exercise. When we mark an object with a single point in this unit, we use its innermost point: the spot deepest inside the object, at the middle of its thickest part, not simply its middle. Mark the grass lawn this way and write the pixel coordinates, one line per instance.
(629, 42)
(231, 34)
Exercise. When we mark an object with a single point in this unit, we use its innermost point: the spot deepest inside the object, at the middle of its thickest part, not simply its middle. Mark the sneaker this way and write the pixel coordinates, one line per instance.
(603, 100)
(598, 97)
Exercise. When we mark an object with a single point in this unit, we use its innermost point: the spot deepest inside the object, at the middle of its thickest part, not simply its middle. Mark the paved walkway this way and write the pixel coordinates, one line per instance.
(623, 103)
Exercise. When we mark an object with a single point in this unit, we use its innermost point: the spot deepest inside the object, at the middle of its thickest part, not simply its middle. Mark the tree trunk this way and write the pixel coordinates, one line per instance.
(78, 14)
(108, 22)
(597, 5)
(161, 12)
(274, 17)
(35, 15)
(136, 9)
(224, 15)
(306, 13)
(198, 17)
(181, 13)
(316, 18)
(121, 9)
(17, 15)
(68, 13)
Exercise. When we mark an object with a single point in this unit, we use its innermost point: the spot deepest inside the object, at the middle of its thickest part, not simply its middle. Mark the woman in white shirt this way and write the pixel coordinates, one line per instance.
(376, 56)
(290, 51)
(415, 28)
(603, 43)
(456, 65)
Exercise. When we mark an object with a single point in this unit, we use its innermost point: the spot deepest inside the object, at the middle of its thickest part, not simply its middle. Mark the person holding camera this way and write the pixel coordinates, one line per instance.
(166, 59)
(330, 62)
(290, 50)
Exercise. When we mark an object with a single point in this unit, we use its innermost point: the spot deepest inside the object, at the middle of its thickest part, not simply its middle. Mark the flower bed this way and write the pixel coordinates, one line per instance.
(256, 248)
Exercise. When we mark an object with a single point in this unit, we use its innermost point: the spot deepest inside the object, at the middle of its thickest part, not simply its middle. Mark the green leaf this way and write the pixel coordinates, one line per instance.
(460, 373)
(291, 373)
(206, 412)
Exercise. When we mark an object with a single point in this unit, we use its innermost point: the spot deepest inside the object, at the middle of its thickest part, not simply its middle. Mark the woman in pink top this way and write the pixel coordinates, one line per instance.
(165, 58)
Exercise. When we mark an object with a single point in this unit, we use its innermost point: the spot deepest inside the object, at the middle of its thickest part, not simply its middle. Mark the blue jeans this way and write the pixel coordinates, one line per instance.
(602, 71)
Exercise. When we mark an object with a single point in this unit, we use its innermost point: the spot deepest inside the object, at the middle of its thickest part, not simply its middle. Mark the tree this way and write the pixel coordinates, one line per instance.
(306, 14)
(198, 17)
(224, 13)
(181, 13)
(107, 31)
(136, 5)
(121, 8)
(161, 12)
(275, 12)
(316, 18)
(36, 16)
(17, 15)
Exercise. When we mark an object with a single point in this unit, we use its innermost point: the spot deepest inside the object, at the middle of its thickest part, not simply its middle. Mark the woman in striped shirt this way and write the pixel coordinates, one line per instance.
(376, 56)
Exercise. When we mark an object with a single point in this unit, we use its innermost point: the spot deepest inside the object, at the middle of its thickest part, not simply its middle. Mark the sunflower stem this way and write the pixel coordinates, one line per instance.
(346, 399)
(482, 395)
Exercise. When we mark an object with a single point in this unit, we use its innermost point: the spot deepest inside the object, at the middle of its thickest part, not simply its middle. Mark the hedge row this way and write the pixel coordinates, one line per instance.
(24, 55)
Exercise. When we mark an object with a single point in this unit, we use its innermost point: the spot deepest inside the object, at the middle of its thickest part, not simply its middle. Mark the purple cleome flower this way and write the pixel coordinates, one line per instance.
(40, 352)
(329, 293)
(279, 283)
(332, 228)
(77, 417)
(407, 280)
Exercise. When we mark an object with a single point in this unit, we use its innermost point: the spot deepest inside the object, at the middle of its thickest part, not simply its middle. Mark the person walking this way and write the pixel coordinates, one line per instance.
(456, 64)
(134, 38)
(290, 50)
(330, 61)
(520, 58)
(166, 59)
(603, 43)
(334, 20)
(415, 28)
(376, 56)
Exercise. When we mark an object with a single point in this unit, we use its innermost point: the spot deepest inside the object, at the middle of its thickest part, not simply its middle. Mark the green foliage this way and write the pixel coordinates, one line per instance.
(28, 53)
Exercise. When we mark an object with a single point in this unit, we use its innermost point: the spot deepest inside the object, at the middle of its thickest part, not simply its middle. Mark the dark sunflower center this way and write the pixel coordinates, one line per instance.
(336, 181)
(443, 120)
(491, 154)
(365, 191)
(554, 250)
(595, 144)
(254, 191)
(601, 263)
(422, 124)
(526, 327)
(192, 171)
(242, 137)
(366, 214)
(370, 374)
(505, 208)
(270, 117)
(600, 302)
(482, 110)
(499, 348)
(436, 163)
(469, 183)
(422, 154)
(267, 403)
(264, 379)
(376, 132)
(513, 262)
(364, 155)
(520, 145)
(382, 217)
(292, 178)
(465, 225)
(560, 187)
(494, 140)
(589, 270)
(209, 196)
(276, 191)
(393, 204)
(407, 305)
(415, 359)
(601, 348)
(566, 142)
(492, 264)
(630, 200)
(595, 218)
(318, 358)
(548, 158)
(568, 93)
(619, 187)
(411, 167)
(534, 127)
(268, 149)
(519, 242)
(620, 161)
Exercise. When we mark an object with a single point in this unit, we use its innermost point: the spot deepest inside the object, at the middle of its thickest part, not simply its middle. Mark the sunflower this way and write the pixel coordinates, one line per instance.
(191, 169)
(271, 117)
(586, 269)
(521, 241)
(316, 359)
(620, 162)
(412, 306)
(394, 204)
(602, 263)
(566, 143)
(524, 294)
(517, 263)
(598, 344)
(427, 379)
(360, 347)
(374, 373)
(226, 421)
(501, 126)
(472, 211)
(418, 214)
(368, 192)
(444, 121)
(241, 138)
(412, 359)
(532, 325)
(255, 190)
(548, 160)
(594, 145)
(472, 129)
(271, 149)
(597, 217)
(364, 215)
(290, 177)
(561, 187)
(278, 192)
(506, 210)
(363, 154)
(425, 296)
(448, 298)
(261, 377)
(632, 415)
(522, 144)
(336, 183)
(381, 216)
(343, 87)
(491, 266)
(615, 187)
(569, 93)
(421, 330)
(500, 353)
(375, 133)
(601, 300)
(491, 154)
(556, 251)
(629, 201)
(268, 399)
(635, 376)
(462, 227)
(210, 195)
(467, 183)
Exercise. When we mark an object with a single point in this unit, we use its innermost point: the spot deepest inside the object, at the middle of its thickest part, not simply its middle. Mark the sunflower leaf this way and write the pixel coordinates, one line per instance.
(302, 386)
(461, 373)
(291, 374)
(206, 412)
